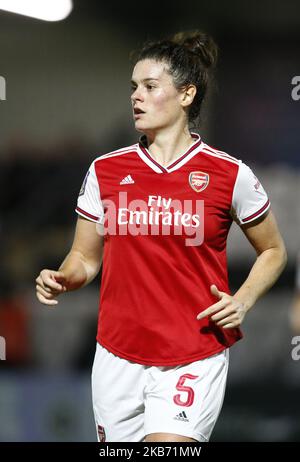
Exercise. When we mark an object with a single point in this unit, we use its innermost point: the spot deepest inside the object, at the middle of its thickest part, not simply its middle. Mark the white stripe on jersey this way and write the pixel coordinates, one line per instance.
(206, 146)
(220, 154)
(118, 152)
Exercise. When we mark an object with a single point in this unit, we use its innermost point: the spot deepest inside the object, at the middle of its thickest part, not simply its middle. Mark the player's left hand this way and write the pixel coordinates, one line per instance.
(227, 312)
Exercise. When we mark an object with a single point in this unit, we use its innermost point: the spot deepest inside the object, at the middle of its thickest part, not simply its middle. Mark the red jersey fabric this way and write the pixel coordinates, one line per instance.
(165, 245)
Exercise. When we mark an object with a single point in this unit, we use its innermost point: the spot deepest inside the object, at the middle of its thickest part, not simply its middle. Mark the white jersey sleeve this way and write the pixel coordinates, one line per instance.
(249, 199)
(89, 204)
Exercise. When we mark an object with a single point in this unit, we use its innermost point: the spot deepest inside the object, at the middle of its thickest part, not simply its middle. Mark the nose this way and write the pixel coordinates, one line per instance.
(136, 96)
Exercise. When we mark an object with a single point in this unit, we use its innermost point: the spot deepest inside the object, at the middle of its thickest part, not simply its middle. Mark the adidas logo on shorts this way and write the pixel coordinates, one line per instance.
(182, 416)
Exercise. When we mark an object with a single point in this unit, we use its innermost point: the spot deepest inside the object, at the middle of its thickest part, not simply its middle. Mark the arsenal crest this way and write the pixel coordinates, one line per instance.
(198, 180)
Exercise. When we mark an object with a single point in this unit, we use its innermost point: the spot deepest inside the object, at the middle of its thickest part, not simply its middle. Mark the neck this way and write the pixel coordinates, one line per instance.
(168, 144)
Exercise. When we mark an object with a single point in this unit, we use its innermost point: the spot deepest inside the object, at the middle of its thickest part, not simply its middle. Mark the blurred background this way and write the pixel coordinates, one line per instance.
(67, 102)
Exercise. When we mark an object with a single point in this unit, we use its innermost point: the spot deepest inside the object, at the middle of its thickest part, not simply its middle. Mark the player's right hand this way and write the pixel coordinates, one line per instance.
(50, 284)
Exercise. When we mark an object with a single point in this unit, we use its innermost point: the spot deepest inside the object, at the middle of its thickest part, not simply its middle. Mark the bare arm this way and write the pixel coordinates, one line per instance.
(79, 268)
(270, 262)
(271, 259)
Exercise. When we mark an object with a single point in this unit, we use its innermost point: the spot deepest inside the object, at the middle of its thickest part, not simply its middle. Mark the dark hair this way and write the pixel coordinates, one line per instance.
(190, 57)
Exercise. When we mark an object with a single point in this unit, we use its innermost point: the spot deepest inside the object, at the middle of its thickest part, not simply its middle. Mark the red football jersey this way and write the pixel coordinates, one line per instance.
(165, 244)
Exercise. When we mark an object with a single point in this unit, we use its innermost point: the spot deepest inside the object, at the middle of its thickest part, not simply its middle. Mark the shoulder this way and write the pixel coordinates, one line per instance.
(117, 154)
(243, 172)
(219, 156)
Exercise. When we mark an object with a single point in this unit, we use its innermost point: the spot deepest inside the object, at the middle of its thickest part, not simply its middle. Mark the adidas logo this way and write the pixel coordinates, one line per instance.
(127, 180)
(182, 416)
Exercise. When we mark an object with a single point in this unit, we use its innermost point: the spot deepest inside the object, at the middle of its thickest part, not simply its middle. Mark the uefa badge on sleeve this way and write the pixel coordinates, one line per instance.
(82, 189)
(101, 434)
(198, 180)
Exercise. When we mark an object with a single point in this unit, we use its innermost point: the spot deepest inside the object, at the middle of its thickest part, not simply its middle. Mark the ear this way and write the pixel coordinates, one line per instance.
(188, 95)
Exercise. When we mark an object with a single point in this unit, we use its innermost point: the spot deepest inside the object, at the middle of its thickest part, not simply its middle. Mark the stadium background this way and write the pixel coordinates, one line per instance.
(68, 102)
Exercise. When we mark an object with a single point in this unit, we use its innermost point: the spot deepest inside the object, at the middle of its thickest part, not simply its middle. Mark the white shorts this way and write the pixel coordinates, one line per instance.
(131, 401)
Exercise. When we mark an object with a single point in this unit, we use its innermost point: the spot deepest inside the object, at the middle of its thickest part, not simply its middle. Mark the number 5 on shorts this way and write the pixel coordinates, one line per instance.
(181, 387)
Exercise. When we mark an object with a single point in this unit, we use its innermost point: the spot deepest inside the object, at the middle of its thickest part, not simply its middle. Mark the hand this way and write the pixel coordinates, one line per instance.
(50, 284)
(227, 312)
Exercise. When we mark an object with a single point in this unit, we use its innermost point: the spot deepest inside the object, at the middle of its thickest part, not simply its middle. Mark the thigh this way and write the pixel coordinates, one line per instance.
(186, 400)
(168, 437)
(118, 402)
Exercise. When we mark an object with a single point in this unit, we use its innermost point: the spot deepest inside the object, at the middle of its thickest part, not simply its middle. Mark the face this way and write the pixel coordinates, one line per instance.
(155, 101)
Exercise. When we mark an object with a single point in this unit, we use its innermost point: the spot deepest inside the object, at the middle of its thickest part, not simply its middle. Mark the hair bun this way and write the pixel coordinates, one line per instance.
(200, 44)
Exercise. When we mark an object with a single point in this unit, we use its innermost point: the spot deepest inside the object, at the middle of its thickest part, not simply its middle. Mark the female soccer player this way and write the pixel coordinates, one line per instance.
(161, 210)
